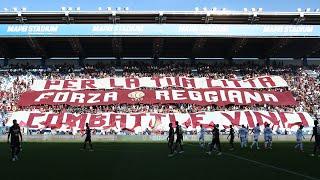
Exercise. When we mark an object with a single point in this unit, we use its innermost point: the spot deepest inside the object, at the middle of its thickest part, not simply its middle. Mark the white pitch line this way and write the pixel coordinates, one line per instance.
(271, 166)
(116, 150)
(235, 156)
(266, 165)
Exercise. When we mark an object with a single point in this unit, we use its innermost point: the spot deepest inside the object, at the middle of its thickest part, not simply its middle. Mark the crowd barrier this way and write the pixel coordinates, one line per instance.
(137, 138)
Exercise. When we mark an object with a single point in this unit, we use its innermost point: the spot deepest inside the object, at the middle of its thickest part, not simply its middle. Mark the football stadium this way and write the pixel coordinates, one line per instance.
(117, 93)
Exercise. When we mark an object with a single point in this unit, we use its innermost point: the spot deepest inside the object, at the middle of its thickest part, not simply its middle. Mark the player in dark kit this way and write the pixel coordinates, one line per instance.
(179, 140)
(231, 135)
(215, 140)
(88, 138)
(316, 135)
(171, 140)
(15, 140)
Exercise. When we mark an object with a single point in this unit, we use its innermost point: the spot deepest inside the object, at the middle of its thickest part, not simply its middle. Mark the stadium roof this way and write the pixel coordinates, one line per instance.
(160, 47)
(170, 17)
(156, 47)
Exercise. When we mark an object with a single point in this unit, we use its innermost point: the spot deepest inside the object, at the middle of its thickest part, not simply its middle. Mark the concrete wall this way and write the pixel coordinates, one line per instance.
(297, 62)
(24, 61)
(62, 61)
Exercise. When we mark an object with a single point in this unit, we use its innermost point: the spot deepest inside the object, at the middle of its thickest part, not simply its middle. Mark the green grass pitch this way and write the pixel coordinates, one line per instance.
(59, 161)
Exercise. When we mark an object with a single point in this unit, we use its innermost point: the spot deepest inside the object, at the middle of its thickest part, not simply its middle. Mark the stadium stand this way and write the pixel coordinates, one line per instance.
(26, 58)
(304, 83)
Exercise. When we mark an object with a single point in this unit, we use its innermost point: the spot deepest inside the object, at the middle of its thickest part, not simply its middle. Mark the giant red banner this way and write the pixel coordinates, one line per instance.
(139, 122)
(217, 96)
(157, 82)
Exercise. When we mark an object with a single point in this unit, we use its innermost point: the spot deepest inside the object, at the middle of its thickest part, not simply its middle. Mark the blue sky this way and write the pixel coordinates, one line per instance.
(267, 5)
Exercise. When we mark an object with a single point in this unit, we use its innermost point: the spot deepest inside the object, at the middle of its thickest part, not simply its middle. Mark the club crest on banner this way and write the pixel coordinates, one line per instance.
(136, 95)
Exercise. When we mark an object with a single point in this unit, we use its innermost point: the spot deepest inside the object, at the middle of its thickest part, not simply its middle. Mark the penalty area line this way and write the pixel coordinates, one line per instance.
(270, 166)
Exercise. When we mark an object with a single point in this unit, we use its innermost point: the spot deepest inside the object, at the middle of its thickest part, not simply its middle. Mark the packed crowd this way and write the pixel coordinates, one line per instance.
(304, 83)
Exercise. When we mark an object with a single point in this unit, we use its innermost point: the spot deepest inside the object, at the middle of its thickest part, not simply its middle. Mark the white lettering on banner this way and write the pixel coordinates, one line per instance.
(118, 28)
(211, 96)
(33, 28)
(110, 96)
(157, 82)
(203, 97)
(249, 97)
(160, 95)
(287, 29)
(203, 29)
(138, 122)
(44, 96)
(178, 95)
(195, 95)
(235, 96)
(77, 97)
(270, 98)
(61, 97)
(94, 98)
(101, 28)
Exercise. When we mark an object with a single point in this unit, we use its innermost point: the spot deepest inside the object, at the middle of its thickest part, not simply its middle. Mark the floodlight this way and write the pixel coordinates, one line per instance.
(118, 8)
(245, 9)
(109, 8)
(69, 8)
(253, 9)
(6, 9)
(63, 8)
(23, 9)
(299, 9)
(308, 9)
(99, 8)
(78, 9)
(205, 9)
(260, 9)
(126, 8)
(15, 9)
(196, 8)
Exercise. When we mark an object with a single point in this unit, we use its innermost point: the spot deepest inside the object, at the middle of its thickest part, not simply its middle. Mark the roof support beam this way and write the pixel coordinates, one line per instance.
(77, 47)
(300, 19)
(34, 44)
(278, 46)
(157, 47)
(114, 18)
(314, 50)
(254, 18)
(117, 47)
(4, 50)
(160, 19)
(21, 19)
(198, 45)
(237, 46)
(208, 19)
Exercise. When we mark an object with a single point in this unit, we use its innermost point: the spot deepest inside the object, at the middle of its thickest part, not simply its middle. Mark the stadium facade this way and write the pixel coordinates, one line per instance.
(95, 35)
(80, 38)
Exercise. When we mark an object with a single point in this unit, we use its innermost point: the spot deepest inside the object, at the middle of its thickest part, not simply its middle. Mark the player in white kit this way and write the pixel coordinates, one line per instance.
(267, 137)
(201, 136)
(299, 136)
(256, 133)
(243, 134)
